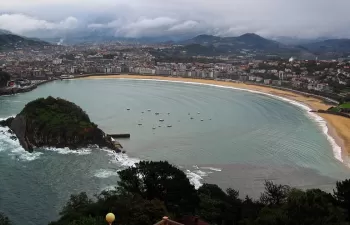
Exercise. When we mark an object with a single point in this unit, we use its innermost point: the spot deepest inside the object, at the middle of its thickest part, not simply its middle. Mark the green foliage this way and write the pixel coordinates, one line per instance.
(342, 195)
(162, 181)
(129, 209)
(274, 194)
(151, 190)
(4, 78)
(217, 206)
(57, 117)
(88, 221)
(345, 105)
(4, 220)
(341, 107)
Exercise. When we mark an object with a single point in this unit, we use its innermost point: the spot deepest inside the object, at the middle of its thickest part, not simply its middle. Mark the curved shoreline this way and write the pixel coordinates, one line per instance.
(331, 125)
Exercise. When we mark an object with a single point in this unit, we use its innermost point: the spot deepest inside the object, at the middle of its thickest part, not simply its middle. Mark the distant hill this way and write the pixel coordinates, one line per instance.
(245, 41)
(329, 46)
(11, 41)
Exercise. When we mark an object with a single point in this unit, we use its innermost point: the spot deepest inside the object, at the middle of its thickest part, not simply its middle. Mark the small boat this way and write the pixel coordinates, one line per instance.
(161, 120)
(198, 113)
(159, 126)
(128, 109)
(148, 110)
(157, 113)
(169, 126)
(191, 118)
(202, 120)
(142, 112)
(153, 128)
(140, 124)
(209, 119)
(189, 113)
(168, 113)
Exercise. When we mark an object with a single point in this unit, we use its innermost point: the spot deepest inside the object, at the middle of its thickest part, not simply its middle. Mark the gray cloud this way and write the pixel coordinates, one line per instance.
(135, 18)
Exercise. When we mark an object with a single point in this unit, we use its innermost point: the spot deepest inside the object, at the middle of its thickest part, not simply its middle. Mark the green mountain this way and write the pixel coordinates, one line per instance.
(11, 41)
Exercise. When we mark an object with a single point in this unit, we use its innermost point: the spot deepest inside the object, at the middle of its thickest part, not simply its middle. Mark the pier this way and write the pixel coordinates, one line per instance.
(119, 135)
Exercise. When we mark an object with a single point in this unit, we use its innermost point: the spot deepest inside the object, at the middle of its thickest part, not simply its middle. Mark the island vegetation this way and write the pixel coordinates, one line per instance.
(150, 190)
(55, 122)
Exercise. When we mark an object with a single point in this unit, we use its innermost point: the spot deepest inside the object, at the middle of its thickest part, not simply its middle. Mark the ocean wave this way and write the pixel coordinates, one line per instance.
(14, 148)
(194, 178)
(197, 175)
(337, 151)
(103, 173)
(212, 168)
(121, 159)
(66, 151)
(109, 188)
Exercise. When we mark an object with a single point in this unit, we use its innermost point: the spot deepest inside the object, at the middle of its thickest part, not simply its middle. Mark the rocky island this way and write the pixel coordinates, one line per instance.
(55, 122)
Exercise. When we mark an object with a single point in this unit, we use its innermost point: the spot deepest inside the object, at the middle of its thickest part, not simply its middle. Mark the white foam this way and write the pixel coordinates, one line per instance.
(103, 173)
(194, 178)
(66, 151)
(337, 151)
(121, 159)
(109, 188)
(212, 168)
(14, 148)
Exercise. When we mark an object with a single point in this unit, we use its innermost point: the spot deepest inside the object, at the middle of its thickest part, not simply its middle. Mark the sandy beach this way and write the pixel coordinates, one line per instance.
(339, 127)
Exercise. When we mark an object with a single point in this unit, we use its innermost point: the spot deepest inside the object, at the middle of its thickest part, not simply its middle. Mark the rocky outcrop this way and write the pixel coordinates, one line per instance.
(56, 123)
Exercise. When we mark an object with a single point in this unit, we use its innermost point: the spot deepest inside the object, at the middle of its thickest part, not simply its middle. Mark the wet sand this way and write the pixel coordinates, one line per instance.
(339, 127)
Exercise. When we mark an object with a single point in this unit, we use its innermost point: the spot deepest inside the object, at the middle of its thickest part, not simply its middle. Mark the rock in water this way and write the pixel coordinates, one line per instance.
(55, 122)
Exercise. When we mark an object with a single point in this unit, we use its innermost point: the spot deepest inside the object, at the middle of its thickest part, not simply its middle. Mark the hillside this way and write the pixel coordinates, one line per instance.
(245, 41)
(11, 41)
(328, 46)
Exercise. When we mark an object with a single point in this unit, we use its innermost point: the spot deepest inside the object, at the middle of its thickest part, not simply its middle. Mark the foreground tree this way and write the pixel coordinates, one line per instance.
(129, 210)
(219, 207)
(274, 194)
(4, 78)
(4, 220)
(313, 207)
(342, 195)
(160, 180)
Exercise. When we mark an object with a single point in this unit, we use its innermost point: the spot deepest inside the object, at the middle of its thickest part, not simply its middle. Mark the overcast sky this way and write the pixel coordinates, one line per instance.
(135, 18)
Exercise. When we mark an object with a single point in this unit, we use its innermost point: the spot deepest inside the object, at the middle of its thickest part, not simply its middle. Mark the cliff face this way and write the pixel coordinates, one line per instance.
(57, 123)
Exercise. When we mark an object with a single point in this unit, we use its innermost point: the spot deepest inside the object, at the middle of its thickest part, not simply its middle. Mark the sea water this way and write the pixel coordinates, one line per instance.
(235, 139)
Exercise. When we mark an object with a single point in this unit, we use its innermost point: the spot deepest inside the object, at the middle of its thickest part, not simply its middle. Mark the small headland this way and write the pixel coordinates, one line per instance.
(58, 123)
